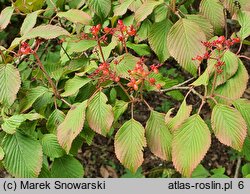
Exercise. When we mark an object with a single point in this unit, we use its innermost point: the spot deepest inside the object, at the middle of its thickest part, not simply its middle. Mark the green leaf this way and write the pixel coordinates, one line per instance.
(122, 8)
(1, 153)
(71, 126)
(200, 172)
(45, 31)
(80, 46)
(243, 106)
(213, 10)
(234, 87)
(144, 30)
(5, 16)
(244, 5)
(129, 143)
(160, 12)
(10, 83)
(202, 80)
(23, 155)
(158, 39)
(67, 167)
(76, 16)
(45, 173)
(159, 138)
(245, 169)
(32, 95)
(184, 43)
(73, 85)
(182, 114)
(101, 8)
(246, 148)
(51, 146)
(140, 49)
(204, 24)
(228, 126)
(54, 120)
(190, 144)
(229, 69)
(244, 20)
(12, 123)
(29, 22)
(99, 114)
(146, 9)
(119, 108)
(126, 62)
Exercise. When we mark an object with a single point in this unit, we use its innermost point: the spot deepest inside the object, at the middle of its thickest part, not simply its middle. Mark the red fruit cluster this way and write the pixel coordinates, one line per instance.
(25, 49)
(221, 44)
(140, 74)
(95, 29)
(105, 73)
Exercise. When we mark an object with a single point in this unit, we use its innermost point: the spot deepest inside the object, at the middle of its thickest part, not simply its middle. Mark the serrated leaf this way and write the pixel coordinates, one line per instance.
(10, 83)
(122, 8)
(51, 146)
(67, 167)
(190, 144)
(54, 120)
(76, 16)
(99, 114)
(71, 126)
(146, 9)
(228, 126)
(204, 24)
(119, 108)
(159, 138)
(126, 62)
(29, 22)
(32, 95)
(158, 39)
(5, 16)
(23, 155)
(73, 85)
(129, 143)
(184, 43)
(160, 12)
(244, 5)
(12, 123)
(1, 153)
(213, 10)
(243, 106)
(45, 31)
(234, 87)
(244, 20)
(182, 114)
(101, 8)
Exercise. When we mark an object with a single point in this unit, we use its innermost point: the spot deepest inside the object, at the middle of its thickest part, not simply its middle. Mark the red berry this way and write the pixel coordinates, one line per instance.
(158, 86)
(135, 87)
(156, 71)
(117, 79)
(152, 80)
(120, 37)
(221, 39)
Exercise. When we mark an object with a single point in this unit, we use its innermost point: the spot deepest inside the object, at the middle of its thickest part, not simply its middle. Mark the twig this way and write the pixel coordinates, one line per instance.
(176, 87)
(243, 56)
(237, 167)
(52, 84)
(149, 107)
(241, 42)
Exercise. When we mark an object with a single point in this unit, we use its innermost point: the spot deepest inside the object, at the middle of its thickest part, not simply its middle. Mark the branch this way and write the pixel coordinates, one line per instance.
(177, 87)
(243, 56)
(237, 167)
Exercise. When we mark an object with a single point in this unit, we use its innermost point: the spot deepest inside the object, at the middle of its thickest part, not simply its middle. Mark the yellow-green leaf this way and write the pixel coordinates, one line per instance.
(76, 16)
(72, 125)
(10, 83)
(129, 143)
(99, 114)
(184, 43)
(5, 16)
(229, 126)
(190, 144)
(159, 138)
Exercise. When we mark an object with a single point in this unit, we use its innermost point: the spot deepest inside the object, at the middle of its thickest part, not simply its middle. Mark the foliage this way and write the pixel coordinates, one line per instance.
(76, 67)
